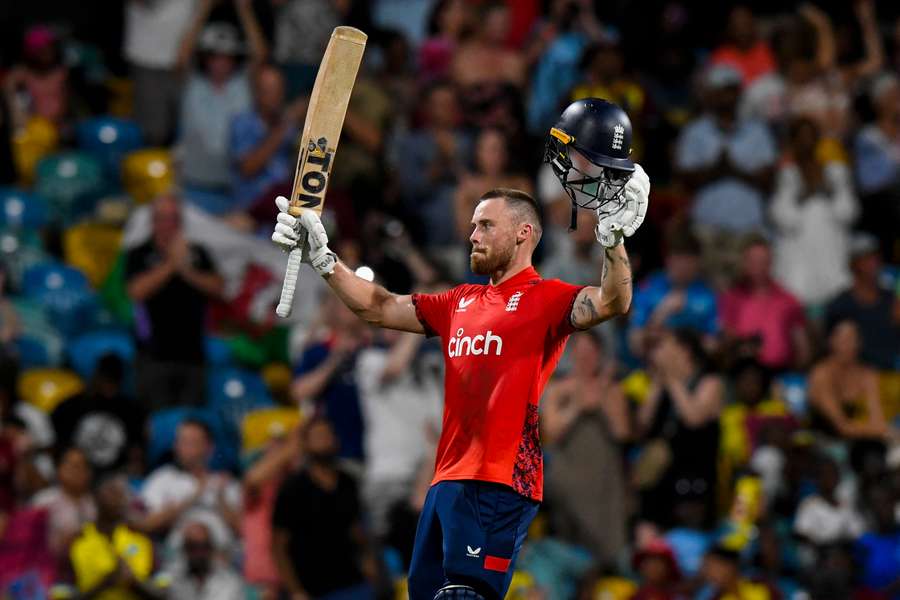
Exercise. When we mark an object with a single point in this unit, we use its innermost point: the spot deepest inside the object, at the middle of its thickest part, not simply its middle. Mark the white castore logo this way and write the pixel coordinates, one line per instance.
(513, 302)
(463, 303)
(480, 344)
(473, 552)
(618, 137)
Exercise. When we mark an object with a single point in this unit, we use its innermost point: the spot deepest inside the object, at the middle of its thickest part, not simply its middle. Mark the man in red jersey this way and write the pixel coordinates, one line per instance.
(501, 343)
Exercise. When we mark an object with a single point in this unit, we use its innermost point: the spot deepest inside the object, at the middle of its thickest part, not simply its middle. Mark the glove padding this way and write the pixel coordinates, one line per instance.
(613, 228)
(305, 232)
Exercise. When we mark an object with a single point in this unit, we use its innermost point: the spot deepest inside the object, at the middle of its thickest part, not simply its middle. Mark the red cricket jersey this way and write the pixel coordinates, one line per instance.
(501, 344)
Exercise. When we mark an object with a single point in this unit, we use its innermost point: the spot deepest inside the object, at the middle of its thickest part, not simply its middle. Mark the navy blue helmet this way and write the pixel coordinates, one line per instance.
(600, 132)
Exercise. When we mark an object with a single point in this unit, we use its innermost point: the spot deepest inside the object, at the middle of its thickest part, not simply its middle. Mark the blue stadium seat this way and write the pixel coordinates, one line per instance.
(231, 395)
(794, 390)
(218, 352)
(109, 139)
(20, 249)
(87, 349)
(22, 209)
(50, 277)
(72, 183)
(65, 296)
(32, 352)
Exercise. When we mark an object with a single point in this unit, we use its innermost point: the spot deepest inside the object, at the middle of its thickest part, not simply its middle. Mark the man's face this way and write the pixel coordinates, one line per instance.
(443, 109)
(192, 446)
(682, 268)
(111, 498)
(494, 236)
(757, 261)
(166, 219)
(74, 472)
(321, 442)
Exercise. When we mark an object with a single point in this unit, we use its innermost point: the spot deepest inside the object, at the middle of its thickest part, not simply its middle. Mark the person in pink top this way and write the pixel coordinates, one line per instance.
(743, 48)
(762, 318)
(43, 81)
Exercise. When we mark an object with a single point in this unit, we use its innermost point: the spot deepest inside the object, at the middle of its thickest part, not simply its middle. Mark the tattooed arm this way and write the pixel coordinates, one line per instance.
(593, 305)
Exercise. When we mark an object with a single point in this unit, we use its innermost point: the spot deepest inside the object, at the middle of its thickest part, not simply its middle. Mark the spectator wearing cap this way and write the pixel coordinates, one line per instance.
(813, 207)
(175, 494)
(675, 297)
(201, 573)
(658, 571)
(154, 33)
(743, 48)
(758, 308)
(724, 581)
(726, 160)
(217, 91)
(875, 310)
(877, 161)
(171, 282)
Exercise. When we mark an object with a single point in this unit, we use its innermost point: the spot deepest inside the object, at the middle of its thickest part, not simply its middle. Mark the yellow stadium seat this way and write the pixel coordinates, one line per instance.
(148, 173)
(46, 388)
(92, 248)
(401, 589)
(121, 97)
(261, 425)
(33, 142)
(522, 583)
(614, 588)
(278, 379)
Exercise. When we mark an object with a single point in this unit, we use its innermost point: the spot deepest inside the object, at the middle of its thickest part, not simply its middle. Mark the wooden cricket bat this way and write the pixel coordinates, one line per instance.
(321, 132)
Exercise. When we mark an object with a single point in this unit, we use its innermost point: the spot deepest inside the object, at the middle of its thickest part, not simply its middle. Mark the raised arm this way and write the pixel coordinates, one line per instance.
(372, 303)
(593, 305)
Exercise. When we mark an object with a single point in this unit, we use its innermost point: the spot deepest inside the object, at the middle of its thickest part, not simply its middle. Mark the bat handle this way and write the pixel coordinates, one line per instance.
(291, 274)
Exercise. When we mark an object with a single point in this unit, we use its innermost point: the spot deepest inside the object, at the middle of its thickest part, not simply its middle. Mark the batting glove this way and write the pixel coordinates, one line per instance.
(305, 232)
(613, 228)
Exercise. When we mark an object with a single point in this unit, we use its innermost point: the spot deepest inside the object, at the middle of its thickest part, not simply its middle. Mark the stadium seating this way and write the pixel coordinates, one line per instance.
(260, 425)
(147, 173)
(85, 350)
(20, 209)
(92, 248)
(36, 140)
(72, 182)
(46, 388)
(109, 139)
(65, 296)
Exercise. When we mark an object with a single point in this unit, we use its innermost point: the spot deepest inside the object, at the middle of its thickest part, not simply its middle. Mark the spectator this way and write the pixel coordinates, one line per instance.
(69, 503)
(171, 281)
(43, 79)
(575, 256)
(109, 559)
(585, 422)
(675, 297)
(262, 141)
(175, 494)
(10, 327)
(102, 422)
(262, 480)
(759, 312)
(216, 92)
(400, 394)
(681, 416)
(875, 310)
(324, 378)
(879, 549)
(302, 31)
(201, 573)
(319, 544)
(727, 160)
(659, 573)
(744, 49)
(876, 152)
(722, 575)
(448, 24)
(429, 161)
(154, 33)
(488, 75)
(846, 400)
(812, 208)
(828, 516)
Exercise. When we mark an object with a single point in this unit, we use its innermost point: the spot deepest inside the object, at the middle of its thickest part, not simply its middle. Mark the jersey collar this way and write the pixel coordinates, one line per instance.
(524, 276)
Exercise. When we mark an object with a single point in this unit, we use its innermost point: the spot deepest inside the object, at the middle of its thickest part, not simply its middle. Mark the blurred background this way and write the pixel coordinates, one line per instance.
(735, 436)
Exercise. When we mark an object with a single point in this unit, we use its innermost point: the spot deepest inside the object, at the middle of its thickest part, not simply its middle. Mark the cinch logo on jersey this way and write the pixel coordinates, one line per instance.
(479, 344)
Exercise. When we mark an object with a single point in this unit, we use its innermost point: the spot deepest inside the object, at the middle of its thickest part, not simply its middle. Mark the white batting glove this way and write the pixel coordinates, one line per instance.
(305, 232)
(612, 229)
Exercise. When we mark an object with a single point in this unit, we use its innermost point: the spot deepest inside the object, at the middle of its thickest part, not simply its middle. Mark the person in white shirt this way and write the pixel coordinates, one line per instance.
(173, 495)
(200, 573)
(828, 516)
(401, 401)
(813, 209)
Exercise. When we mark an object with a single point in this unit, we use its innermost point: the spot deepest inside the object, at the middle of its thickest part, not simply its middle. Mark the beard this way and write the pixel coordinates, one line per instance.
(486, 263)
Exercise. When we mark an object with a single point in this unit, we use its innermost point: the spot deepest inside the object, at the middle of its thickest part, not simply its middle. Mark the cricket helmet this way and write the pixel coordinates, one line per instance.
(600, 132)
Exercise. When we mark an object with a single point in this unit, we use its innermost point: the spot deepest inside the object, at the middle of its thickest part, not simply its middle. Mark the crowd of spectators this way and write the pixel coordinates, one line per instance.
(735, 436)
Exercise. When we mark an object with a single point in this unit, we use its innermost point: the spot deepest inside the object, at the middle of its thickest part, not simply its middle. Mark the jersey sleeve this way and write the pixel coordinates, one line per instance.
(433, 311)
(558, 300)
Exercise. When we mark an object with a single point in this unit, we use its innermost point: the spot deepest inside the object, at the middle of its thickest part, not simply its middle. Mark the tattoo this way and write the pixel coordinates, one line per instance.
(605, 270)
(584, 313)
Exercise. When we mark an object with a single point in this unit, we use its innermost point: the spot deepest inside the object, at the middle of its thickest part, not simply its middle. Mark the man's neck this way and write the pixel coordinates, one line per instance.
(106, 526)
(515, 266)
(865, 290)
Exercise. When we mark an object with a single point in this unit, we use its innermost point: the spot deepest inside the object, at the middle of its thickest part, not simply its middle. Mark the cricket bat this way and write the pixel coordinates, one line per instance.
(321, 132)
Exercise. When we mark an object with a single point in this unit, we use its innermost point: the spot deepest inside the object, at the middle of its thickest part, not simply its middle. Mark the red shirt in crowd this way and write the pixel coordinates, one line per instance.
(501, 344)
